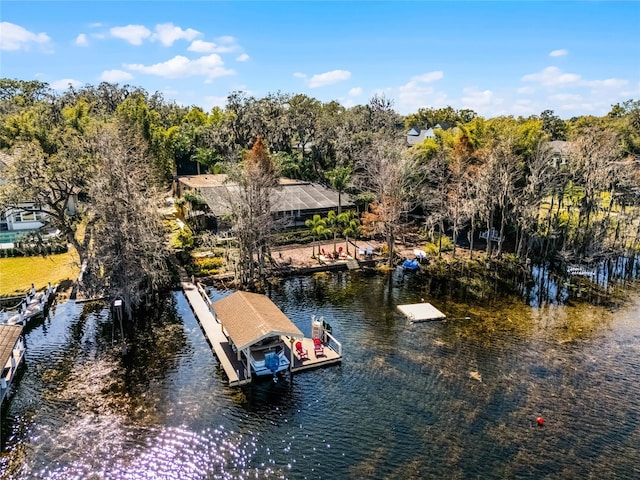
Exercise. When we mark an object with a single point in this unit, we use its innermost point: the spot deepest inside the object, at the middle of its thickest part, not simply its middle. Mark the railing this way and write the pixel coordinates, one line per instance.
(207, 300)
(333, 342)
(492, 234)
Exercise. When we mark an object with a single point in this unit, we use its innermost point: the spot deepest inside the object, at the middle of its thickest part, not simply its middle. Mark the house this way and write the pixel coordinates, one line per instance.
(294, 201)
(26, 216)
(23, 217)
(11, 355)
(255, 328)
(418, 135)
(560, 151)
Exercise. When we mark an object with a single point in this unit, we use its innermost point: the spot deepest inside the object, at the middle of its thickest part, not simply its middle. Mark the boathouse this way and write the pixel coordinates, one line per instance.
(251, 335)
(11, 355)
(255, 327)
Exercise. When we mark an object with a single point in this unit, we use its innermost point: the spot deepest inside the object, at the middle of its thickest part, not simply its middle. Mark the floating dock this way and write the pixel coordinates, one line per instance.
(236, 369)
(421, 312)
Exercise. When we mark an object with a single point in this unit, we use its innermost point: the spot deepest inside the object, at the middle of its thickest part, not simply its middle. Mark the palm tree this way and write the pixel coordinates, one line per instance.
(318, 228)
(339, 178)
(350, 227)
(333, 225)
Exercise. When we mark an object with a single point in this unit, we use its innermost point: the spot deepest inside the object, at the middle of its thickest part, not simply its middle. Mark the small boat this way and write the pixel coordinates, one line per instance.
(268, 357)
(410, 265)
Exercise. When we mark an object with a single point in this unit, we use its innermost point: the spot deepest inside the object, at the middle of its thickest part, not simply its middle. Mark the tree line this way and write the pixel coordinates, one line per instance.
(511, 179)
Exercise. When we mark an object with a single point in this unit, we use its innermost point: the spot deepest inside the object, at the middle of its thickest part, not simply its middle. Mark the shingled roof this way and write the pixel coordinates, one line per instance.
(291, 195)
(9, 335)
(250, 317)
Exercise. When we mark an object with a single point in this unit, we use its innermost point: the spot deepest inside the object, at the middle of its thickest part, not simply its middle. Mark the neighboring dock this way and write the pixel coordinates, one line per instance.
(11, 356)
(235, 368)
(34, 303)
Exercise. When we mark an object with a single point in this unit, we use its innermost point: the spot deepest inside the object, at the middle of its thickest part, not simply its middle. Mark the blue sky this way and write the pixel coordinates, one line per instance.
(497, 58)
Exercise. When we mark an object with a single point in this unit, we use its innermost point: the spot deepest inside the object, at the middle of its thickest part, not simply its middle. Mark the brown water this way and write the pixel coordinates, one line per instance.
(453, 399)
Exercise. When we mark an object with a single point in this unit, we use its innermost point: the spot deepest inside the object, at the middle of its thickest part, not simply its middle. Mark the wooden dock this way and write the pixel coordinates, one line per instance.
(34, 304)
(235, 369)
(11, 356)
(329, 357)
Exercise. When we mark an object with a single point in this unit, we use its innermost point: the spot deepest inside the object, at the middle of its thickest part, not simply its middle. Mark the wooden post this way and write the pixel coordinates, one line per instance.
(291, 340)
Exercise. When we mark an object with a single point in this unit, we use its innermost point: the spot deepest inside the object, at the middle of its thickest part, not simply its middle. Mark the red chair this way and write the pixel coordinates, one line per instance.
(303, 353)
(318, 349)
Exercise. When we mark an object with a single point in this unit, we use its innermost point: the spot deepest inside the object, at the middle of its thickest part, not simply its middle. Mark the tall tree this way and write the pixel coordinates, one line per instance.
(391, 174)
(128, 255)
(50, 168)
(257, 178)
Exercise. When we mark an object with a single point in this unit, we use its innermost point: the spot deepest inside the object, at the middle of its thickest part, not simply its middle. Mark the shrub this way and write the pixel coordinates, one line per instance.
(208, 265)
(183, 239)
(432, 247)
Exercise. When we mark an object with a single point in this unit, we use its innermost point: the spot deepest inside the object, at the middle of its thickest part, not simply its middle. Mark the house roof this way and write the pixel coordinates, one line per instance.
(250, 317)
(419, 135)
(292, 195)
(9, 335)
(560, 147)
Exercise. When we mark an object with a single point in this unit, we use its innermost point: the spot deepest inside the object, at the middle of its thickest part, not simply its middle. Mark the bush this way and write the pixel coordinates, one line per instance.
(207, 265)
(183, 239)
(432, 247)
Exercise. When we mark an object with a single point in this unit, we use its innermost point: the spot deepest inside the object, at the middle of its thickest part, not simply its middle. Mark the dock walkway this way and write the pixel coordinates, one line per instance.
(235, 369)
(34, 304)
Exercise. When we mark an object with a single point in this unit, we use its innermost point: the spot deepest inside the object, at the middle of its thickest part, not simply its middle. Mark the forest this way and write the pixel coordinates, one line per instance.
(541, 186)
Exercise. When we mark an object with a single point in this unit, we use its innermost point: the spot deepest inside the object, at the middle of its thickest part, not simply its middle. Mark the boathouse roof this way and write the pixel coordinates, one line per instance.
(9, 335)
(248, 318)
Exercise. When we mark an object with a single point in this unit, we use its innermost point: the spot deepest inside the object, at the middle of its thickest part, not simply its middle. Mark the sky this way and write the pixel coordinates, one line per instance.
(497, 58)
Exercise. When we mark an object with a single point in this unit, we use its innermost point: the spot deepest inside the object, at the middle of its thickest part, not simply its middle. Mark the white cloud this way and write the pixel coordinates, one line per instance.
(201, 46)
(475, 99)
(355, 92)
(226, 39)
(64, 83)
(167, 33)
(242, 57)
(134, 34)
(81, 40)
(115, 76)
(14, 37)
(210, 66)
(96, 25)
(299, 75)
(418, 92)
(552, 77)
(328, 78)
(608, 83)
(558, 53)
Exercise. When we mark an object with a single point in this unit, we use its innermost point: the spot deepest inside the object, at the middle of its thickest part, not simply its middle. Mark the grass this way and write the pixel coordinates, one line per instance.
(18, 273)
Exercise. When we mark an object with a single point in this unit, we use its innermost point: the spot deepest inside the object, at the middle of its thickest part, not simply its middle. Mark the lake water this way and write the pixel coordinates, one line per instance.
(452, 399)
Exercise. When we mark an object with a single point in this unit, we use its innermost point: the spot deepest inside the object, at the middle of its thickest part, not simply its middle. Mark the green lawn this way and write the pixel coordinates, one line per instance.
(18, 273)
